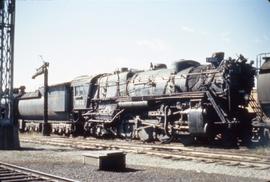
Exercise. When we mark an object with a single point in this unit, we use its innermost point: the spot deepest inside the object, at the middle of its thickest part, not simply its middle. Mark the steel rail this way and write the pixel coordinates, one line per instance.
(14, 173)
(93, 142)
(209, 156)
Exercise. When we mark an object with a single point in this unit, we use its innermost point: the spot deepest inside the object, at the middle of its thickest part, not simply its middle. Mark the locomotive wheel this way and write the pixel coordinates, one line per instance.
(164, 138)
(264, 137)
(229, 139)
(146, 134)
(125, 129)
(246, 137)
(261, 137)
(76, 129)
(245, 128)
(187, 140)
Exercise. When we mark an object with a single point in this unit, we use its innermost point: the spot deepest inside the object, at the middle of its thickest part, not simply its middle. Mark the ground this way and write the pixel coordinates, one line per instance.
(68, 162)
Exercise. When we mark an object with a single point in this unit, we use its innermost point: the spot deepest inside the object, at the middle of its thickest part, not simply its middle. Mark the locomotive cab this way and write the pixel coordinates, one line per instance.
(80, 89)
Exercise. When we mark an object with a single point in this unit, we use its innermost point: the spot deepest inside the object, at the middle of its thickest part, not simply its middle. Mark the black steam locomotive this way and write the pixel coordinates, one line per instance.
(189, 102)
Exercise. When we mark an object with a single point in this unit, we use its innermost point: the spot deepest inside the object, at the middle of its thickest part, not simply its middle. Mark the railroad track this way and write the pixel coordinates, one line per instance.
(13, 173)
(258, 162)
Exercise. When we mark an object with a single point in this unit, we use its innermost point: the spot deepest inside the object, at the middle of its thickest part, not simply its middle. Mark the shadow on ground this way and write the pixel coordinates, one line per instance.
(126, 170)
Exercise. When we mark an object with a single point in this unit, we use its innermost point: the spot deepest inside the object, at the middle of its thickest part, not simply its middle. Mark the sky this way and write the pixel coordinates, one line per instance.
(86, 37)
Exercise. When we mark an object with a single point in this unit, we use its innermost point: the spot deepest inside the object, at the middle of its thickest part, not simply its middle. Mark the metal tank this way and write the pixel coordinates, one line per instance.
(31, 105)
(263, 86)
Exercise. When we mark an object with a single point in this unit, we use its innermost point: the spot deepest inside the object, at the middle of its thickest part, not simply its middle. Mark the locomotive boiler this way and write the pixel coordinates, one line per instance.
(189, 102)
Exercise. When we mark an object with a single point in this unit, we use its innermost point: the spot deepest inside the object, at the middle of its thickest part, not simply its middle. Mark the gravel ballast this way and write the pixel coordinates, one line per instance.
(68, 162)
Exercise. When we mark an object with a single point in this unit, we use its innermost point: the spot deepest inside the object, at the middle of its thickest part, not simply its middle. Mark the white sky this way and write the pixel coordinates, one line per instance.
(81, 37)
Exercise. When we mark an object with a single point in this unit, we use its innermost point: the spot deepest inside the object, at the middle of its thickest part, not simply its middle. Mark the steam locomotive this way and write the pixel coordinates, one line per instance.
(189, 102)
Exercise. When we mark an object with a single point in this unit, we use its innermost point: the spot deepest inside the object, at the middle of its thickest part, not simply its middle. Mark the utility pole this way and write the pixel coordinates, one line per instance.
(8, 124)
(44, 70)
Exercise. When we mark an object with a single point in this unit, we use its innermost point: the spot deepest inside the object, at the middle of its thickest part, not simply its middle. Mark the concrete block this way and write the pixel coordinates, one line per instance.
(106, 159)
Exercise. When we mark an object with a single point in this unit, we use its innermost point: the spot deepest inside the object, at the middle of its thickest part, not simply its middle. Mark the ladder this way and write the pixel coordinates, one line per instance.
(254, 105)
